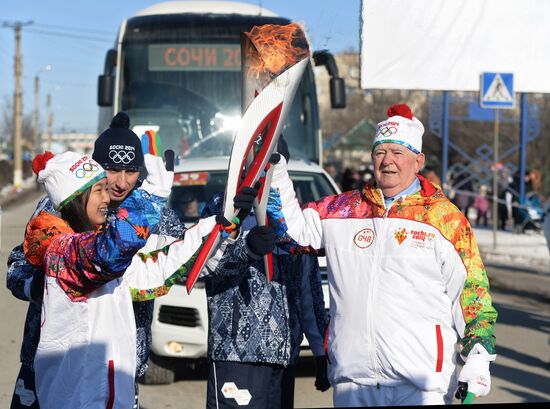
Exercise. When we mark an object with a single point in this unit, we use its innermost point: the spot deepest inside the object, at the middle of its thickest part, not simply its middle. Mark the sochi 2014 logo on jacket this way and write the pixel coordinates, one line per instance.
(364, 238)
(418, 238)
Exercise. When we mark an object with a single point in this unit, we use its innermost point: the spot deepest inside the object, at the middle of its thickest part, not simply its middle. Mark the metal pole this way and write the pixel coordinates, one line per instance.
(17, 154)
(50, 120)
(523, 147)
(495, 180)
(445, 141)
(37, 148)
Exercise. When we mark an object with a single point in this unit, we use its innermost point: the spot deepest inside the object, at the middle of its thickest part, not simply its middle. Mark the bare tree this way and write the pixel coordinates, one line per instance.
(7, 126)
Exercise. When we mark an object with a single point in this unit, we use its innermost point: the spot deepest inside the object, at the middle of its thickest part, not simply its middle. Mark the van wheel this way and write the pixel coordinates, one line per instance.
(161, 371)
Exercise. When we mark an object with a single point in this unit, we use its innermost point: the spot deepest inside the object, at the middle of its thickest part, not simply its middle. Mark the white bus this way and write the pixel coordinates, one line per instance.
(176, 69)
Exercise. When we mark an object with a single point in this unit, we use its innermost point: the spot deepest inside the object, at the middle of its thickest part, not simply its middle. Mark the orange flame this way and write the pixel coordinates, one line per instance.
(274, 48)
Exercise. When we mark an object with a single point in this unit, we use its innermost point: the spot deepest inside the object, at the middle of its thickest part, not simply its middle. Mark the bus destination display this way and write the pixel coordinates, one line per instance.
(194, 57)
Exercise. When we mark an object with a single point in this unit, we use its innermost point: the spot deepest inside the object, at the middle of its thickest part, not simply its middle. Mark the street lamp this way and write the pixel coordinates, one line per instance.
(49, 116)
(37, 136)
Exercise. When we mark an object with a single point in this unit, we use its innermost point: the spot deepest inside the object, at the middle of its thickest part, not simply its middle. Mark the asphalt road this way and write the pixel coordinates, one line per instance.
(520, 374)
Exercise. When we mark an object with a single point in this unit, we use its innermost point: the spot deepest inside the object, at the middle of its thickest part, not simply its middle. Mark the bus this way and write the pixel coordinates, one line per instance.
(176, 68)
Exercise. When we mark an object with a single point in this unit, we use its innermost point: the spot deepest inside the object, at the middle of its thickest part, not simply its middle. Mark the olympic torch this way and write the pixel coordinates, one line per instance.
(273, 62)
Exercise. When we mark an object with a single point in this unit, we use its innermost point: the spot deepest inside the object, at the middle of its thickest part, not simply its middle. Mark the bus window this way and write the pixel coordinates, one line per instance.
(181, 76)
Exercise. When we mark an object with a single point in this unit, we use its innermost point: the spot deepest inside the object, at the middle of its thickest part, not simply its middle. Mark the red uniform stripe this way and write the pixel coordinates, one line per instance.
(111, 377)
(439, 337)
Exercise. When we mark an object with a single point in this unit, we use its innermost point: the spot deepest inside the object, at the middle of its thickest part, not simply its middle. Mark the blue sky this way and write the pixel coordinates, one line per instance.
(77, 63)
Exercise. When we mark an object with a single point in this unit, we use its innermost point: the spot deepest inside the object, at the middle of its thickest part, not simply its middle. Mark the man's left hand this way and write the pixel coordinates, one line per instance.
(321, 374)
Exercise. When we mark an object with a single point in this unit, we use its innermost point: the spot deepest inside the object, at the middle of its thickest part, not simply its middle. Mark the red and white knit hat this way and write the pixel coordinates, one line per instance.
(66, 175)
(401, 127)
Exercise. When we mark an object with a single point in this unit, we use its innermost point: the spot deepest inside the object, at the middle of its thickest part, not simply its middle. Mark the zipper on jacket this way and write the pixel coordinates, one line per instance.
(370, 319)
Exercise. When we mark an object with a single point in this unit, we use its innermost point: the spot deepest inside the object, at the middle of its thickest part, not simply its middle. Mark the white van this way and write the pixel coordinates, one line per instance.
(180, 321)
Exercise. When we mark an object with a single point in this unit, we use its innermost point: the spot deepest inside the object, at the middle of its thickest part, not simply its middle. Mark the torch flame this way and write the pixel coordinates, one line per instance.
(274, 48)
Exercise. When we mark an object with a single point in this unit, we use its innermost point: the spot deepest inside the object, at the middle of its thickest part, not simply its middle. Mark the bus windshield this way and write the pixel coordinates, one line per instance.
(180, 76)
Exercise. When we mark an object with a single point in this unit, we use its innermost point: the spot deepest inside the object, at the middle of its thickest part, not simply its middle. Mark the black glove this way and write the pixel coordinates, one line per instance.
(261, 240)
(37, 285)
(220, 219)
(245, 200)
(169, 159)
(462, 391)
(321, 376)
(282, 149)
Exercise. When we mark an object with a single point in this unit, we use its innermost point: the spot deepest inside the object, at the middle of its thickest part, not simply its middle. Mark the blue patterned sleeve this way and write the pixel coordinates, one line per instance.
(235, 260)
(170, 224)
(136, 218)
(19, 273)
(278, 222)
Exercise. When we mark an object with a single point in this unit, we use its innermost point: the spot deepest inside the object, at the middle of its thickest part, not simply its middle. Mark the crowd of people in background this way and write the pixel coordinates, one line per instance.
(474, 199)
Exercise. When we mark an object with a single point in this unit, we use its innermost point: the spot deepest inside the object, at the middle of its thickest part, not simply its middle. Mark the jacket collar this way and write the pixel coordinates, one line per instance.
(427, 192)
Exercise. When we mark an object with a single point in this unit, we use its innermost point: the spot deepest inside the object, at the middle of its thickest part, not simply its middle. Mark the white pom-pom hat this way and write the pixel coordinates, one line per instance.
(401, 127)
(66, 175)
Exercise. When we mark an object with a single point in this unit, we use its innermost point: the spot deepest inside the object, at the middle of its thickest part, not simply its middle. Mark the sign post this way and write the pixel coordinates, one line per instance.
(497, 92)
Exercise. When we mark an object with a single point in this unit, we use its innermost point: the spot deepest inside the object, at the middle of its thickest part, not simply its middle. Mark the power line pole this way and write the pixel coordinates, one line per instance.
(17, 139)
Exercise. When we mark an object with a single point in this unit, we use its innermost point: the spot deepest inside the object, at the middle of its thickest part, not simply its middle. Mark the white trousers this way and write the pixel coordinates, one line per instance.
(350, 394)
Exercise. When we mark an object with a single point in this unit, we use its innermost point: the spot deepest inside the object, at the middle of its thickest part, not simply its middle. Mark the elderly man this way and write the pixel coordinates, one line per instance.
(405, 276)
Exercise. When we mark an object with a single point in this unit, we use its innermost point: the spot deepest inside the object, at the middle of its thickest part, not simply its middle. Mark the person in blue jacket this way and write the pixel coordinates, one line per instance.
(256, 326)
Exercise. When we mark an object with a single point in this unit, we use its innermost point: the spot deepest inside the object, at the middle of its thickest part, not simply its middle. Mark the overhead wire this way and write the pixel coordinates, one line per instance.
(65, 35)
(82, 30)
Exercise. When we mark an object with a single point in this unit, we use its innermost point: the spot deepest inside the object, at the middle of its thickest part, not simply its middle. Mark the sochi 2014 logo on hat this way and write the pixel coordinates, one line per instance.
(364, 238)
(84, 168)
(122, 154)
(387, 129)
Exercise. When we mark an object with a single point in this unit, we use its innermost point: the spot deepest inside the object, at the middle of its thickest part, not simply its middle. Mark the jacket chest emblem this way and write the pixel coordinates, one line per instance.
(364, 238)
(400, 235)
(418, 238)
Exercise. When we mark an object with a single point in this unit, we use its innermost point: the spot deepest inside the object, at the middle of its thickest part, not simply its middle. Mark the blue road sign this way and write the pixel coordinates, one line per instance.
(497, 90)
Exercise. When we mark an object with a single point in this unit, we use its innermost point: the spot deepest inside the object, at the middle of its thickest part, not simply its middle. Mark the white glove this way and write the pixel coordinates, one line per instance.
(159, 180)
(476, 371)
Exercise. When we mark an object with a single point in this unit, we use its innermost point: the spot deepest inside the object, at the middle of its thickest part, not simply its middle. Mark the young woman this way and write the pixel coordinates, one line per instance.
(87, 351)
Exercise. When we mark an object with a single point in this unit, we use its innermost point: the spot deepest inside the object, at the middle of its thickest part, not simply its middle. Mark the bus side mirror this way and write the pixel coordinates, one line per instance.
(105, 88)
(337, 93)
(337, 84)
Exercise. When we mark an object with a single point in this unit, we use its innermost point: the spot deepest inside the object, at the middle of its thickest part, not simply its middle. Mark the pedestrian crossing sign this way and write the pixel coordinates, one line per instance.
(497, 90)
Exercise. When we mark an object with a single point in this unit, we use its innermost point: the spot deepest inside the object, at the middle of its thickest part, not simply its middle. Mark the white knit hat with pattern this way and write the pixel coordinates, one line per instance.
(401, 127)
(66, 175)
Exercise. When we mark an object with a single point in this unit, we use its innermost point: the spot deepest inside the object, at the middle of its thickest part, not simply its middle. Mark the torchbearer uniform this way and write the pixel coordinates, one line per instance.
(406, 283)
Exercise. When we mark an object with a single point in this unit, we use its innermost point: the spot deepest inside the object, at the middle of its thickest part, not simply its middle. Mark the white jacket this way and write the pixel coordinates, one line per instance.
(405, 282)
(87, 352)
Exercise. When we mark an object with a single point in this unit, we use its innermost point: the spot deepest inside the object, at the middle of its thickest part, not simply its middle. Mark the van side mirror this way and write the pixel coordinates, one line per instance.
(337, 84)
(337, 93)
(105, 88)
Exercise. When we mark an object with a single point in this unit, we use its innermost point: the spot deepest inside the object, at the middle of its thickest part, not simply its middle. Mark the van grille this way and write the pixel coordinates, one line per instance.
(182, 316)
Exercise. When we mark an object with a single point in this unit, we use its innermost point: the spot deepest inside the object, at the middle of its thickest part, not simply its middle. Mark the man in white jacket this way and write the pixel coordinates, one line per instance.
(405, 276)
